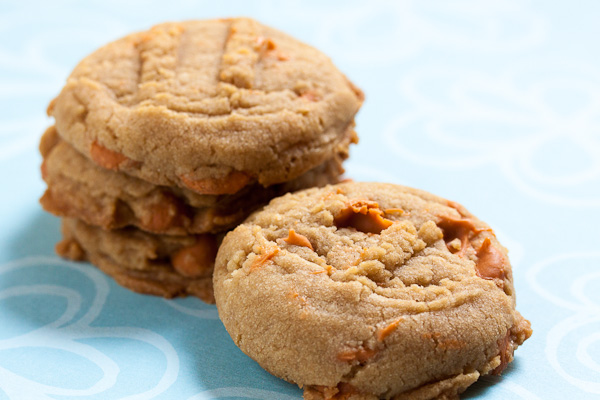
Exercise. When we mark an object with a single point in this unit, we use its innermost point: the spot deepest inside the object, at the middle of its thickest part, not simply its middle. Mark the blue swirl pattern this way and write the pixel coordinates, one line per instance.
(494, 105)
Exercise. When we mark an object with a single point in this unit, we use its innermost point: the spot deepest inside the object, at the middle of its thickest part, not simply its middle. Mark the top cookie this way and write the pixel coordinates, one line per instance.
(207, 105)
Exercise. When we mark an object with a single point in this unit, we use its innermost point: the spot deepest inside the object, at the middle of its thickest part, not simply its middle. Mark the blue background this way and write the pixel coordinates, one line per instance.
(495, 105)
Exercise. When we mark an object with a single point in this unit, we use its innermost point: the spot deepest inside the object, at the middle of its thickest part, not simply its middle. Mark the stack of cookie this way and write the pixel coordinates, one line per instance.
(166, 139)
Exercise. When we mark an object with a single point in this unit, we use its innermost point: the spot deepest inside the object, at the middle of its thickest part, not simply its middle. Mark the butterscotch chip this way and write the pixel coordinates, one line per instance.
(208, 106)
(379, 306)
(79, 188)
(229, 184)
(160, 265)
(298, 240)
(197, 259)
(363, 216)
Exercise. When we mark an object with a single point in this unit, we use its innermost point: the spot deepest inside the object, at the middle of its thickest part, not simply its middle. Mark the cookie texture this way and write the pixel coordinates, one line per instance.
(210, 106)
(369, 291)
(79, 188)
(161, 265)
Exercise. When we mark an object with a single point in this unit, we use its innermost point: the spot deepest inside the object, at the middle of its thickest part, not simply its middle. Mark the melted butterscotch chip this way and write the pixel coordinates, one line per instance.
(196, 260)
(490, 261)
(298, 240)
(385, 332)
(361, 354)
(364, 216)
(265, 44)
(266, 47)
(462, 229)
(106, 158)
(230, 184)
(398, 211)
(259, 261)
(162, 215)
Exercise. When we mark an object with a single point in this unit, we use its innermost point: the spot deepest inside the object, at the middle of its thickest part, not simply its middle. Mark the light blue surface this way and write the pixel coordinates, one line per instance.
(495, 105)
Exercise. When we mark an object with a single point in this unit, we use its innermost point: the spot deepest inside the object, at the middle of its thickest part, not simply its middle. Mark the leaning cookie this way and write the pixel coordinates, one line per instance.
(78, 188)
(368, 291)
(210, 106)
(161, 265)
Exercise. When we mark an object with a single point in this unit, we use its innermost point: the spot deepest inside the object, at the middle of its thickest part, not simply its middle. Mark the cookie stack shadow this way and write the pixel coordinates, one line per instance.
(166, 139)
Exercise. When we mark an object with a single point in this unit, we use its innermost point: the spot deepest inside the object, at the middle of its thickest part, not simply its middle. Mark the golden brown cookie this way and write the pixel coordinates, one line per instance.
(369, 291)
(161, 265)
(211, 106)
(80, 189)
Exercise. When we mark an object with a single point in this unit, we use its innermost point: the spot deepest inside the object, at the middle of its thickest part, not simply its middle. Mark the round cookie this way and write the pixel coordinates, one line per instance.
(80, 189)
(161, 265)
(211, 106)
(368, 291)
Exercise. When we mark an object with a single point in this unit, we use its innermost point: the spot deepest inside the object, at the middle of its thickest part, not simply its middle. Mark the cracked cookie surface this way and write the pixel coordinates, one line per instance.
(211, 106)
(368, 291)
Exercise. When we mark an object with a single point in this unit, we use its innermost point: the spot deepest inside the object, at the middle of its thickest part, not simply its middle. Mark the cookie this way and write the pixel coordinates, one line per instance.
(368, 291)
(210, 106)
(78, 188)
(160, 265)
